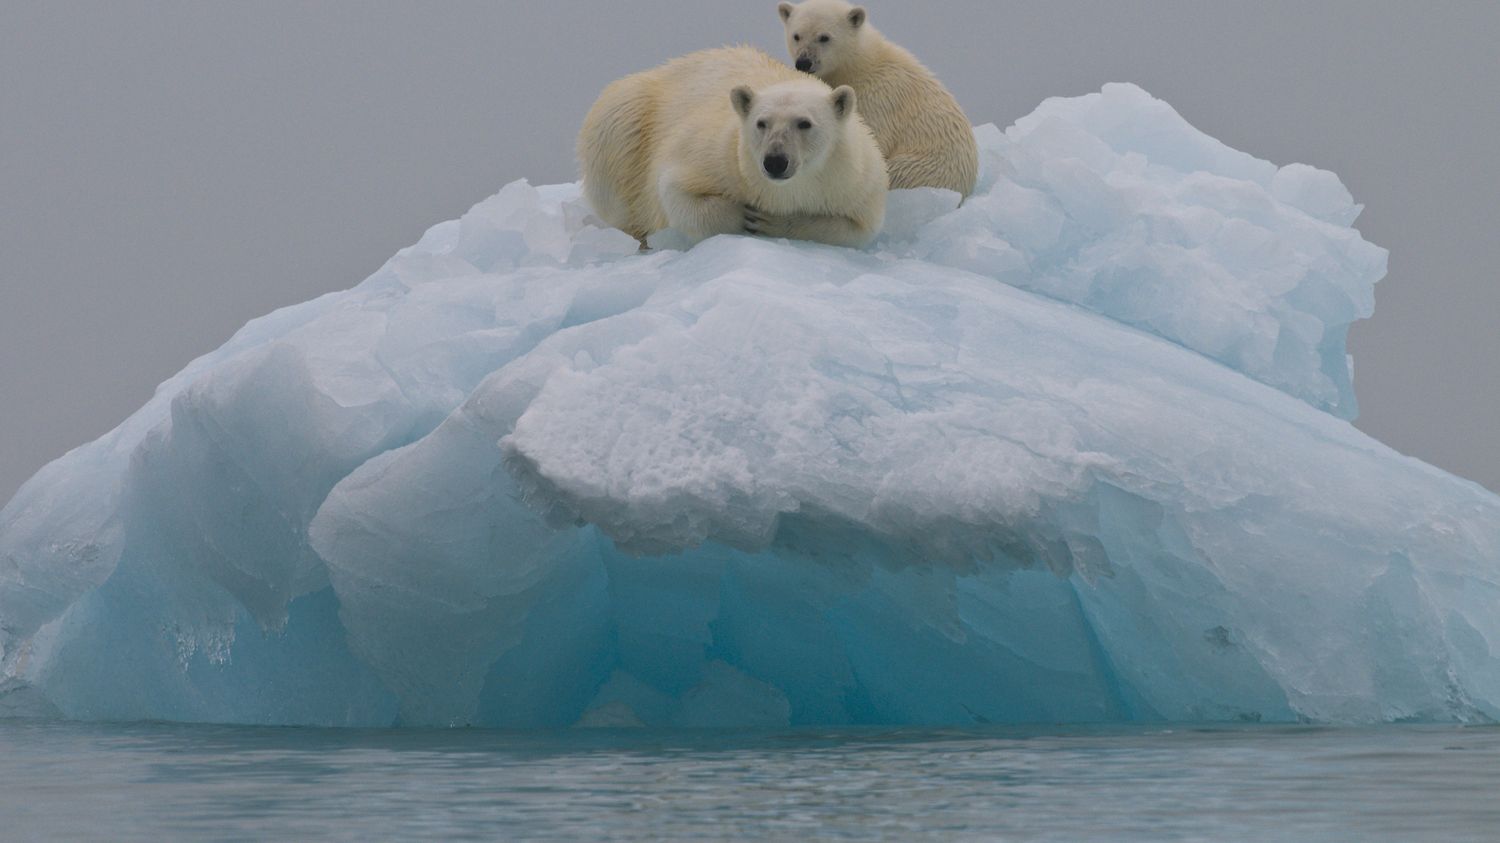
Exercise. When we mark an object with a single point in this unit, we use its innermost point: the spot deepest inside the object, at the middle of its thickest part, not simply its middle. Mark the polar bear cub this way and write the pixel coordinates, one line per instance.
(925, 137)
(732, 141)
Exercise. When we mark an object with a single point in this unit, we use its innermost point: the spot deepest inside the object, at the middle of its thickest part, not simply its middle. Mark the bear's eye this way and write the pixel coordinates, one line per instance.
(824, 39)
(796, 37)
(804, 125)
(760, 124)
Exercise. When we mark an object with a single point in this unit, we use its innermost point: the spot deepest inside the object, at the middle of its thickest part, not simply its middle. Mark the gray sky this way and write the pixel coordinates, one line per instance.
(169, 170)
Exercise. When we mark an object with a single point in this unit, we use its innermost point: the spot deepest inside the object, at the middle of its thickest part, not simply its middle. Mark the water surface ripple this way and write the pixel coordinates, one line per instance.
(163, 782)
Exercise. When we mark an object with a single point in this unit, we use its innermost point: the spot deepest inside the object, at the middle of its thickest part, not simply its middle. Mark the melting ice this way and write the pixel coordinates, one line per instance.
(1075, 451)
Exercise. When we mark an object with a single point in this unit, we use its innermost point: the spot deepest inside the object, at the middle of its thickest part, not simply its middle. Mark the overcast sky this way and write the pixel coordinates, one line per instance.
(169, 170)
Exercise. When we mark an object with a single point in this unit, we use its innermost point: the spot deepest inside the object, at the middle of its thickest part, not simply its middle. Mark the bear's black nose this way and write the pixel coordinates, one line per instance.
(776, 166)
(804, 65)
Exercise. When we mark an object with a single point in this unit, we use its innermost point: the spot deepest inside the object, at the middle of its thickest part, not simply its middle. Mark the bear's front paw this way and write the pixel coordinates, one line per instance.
(760, 223)
(755, 220)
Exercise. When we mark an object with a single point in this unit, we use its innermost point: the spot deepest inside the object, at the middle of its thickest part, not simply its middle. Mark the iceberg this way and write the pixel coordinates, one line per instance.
(1077, 450)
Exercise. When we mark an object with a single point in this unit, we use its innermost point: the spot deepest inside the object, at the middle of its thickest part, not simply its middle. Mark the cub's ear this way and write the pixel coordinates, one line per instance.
(857, 16)
(843, 101)
(786, 11)
(743, 98)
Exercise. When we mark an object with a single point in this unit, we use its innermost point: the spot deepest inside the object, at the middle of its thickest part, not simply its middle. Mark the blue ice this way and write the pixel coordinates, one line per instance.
(1077, 450)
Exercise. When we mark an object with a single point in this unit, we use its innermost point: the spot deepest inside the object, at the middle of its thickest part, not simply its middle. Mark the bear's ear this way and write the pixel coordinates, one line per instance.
(843, 101)
(786, 11)
(743, 98)
(857, 16)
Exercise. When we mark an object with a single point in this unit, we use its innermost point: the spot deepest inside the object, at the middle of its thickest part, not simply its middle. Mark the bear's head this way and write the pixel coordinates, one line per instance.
(821, 35)
(790, 128)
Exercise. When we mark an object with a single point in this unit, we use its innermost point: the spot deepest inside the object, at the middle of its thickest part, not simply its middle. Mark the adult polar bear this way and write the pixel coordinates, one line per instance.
(925, 137)
(732, 141)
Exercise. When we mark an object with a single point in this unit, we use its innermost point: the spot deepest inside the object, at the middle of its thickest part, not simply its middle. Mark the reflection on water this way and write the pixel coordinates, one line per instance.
(1253, 783)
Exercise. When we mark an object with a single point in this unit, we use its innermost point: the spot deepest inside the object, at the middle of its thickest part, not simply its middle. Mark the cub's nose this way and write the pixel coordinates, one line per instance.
(804, 65)
(776, 166)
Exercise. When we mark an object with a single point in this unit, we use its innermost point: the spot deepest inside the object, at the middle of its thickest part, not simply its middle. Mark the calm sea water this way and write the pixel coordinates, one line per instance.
(165, 782)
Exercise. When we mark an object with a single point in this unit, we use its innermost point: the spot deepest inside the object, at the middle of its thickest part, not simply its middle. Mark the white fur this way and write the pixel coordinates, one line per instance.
(923, 133)
(682, 146)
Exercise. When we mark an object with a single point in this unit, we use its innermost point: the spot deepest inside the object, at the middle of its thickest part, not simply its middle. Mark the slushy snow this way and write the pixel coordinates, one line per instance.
(1075, 451)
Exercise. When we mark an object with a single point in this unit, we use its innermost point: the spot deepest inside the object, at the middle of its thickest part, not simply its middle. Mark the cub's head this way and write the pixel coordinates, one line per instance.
(821, 35)
(790, 128)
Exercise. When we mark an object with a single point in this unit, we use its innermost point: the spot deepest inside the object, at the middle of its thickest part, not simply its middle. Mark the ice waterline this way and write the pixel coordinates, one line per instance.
(1075, 451)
